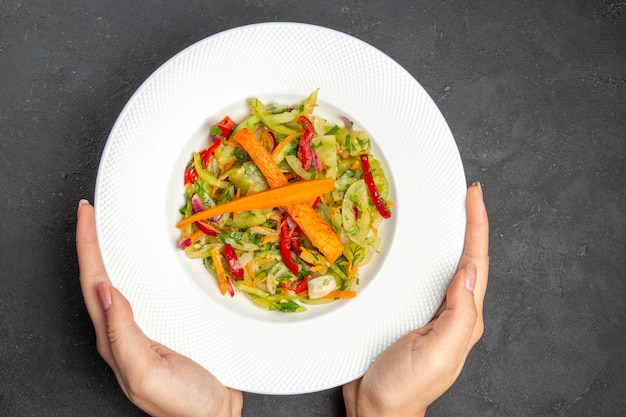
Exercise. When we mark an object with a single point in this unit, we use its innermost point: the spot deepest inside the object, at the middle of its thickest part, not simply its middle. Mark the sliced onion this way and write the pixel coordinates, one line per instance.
(262, 230)
(316, 162)
(321, 286)
(273, 142)
(213, 139)
(245, 258)
(196, 203)
(348, 124)
(184, 244)
(291, 223)
(198, 206)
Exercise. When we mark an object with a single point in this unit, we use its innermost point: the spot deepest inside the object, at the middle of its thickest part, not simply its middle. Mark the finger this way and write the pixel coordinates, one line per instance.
(91, 270)
(477, 231)
(129, 348)
(424, 330)
(350, 393)
(129, 345)
(452, 331)
(476, 249)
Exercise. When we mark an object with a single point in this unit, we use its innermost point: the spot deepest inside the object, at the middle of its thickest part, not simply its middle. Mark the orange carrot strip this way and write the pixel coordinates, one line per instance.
(352, 270)
(251, 273)
(270, 239)
(226, 168)
(230, 143)
(196, 235)
(268, 140)
(321, 235)
(341, 294)
(316, 268)
(296, 192)
(284, 143)
(262, 158)
(219, 270)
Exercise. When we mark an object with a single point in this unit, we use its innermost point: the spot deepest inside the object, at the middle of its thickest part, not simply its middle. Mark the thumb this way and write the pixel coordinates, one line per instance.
(350, 393)
(127, 342)
(454, 327)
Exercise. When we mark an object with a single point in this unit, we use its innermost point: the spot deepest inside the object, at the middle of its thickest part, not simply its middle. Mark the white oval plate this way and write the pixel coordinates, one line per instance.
(176, 302)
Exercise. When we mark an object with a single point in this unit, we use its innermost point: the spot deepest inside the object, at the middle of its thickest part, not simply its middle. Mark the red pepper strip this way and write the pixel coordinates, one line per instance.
(302, 286)
(206, 154)
(226, 125)
(207, 229)
(305, 151)
(316, 202)
(285, 246)
(190, 175)
(233, 263)
(295, 240)
(231, 290)
(379, 202)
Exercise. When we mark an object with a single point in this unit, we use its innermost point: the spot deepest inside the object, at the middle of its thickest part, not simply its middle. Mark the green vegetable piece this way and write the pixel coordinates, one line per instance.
(356, 227)
(204, 174)
(248, 178)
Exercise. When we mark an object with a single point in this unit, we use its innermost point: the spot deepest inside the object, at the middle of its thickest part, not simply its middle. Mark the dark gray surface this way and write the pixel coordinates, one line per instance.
(534, 93)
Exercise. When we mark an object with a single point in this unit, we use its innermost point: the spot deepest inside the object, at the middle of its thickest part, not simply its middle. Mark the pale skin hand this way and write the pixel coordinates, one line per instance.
(418, 368)
(156, 379)
(403, 381)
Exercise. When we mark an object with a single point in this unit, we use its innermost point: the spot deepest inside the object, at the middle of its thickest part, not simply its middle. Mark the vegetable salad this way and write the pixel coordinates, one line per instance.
(308, 198)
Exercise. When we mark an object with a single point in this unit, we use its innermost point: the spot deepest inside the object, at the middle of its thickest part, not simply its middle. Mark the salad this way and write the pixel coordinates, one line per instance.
(284, 206)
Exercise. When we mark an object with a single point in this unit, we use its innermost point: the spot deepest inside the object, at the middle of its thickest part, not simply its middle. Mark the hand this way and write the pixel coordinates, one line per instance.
(422, 365)
(156, 379)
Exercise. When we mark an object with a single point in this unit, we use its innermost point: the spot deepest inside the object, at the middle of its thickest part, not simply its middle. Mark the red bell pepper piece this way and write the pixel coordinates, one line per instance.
(206, 228)
(298, 287)
(379, 201)
(190, 175)
(316, 202)
(305, 151)
(285, 246)
(302, 286)
(190, 172)
(226, 125)
(233, 262)
(231, 290)
(295, 240)
(207, 153)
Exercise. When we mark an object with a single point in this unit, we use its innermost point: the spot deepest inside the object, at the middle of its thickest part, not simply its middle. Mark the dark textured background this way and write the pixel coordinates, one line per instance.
(534, 92)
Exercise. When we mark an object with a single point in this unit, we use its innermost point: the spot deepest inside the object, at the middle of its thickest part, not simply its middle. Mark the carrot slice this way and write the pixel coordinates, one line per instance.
(261, 157)
(321, 235)
(341, 294)
(284, 143)
(222, 280)
(295, 192)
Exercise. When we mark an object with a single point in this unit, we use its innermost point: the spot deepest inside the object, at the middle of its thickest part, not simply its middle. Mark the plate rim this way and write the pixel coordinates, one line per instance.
(188, 50)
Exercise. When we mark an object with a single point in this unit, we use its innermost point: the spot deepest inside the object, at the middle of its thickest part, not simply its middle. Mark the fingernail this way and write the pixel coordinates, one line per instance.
(470, 276)
(105, 295)
(480, 187)
(81, 203)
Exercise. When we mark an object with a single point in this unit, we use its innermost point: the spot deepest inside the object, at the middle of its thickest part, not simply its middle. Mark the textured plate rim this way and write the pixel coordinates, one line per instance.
(381, 337)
